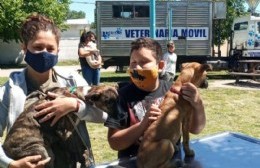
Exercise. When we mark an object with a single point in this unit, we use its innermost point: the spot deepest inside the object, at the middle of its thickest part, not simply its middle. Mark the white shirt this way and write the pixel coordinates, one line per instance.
(170, 60)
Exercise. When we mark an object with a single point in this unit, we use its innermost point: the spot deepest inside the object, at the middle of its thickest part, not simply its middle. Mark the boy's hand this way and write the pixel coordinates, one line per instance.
(152, 115)
(190, 93)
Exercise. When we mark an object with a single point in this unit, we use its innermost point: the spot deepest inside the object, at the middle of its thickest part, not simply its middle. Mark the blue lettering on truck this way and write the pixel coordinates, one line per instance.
(130, 33)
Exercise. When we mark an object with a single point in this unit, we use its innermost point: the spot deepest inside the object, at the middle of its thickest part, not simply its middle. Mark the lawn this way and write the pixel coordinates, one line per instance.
(226, 110)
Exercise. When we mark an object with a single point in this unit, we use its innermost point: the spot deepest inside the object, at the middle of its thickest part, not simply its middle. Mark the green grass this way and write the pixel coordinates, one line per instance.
(3, 80)
(226, 110)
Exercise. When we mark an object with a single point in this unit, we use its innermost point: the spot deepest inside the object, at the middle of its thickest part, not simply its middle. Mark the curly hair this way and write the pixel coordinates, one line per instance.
(151, 44)
(35, 23)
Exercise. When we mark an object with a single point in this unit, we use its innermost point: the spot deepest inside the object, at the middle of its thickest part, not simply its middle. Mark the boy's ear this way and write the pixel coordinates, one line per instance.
(161, 64)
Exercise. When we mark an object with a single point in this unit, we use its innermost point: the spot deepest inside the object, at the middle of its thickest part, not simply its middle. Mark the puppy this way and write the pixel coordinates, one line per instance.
(61, 142)
(157, 147)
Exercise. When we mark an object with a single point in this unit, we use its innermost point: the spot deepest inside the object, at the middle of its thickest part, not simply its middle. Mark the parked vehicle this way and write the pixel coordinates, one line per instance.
(245, 40)
(246, 36)
(188, 23)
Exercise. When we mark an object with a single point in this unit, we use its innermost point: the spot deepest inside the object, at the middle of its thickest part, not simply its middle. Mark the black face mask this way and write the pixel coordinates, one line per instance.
(41, 62)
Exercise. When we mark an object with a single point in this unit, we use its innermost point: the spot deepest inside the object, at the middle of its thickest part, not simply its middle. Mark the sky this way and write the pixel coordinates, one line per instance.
(87, 6)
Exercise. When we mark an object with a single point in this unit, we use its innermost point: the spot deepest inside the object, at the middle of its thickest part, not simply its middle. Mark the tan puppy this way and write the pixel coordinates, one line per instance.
(157, 147)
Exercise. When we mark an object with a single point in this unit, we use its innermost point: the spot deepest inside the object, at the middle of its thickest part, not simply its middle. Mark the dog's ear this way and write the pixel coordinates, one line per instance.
(183, 65)
(92, 96)
(206, 67)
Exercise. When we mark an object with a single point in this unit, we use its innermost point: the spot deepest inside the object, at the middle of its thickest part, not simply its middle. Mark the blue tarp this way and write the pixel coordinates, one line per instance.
(222, 150)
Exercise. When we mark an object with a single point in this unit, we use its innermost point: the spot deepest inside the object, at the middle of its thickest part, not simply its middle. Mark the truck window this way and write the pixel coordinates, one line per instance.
(142, 11)
(130, 11)
(258, 27)
(241, 26)
(123, 11)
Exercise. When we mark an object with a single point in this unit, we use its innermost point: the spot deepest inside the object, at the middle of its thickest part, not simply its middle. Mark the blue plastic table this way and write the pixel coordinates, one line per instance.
(223, 150)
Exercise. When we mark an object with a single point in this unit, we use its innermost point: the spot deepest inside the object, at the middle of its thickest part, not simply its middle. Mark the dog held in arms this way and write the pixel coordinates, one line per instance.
(159, 140)
(61, 142)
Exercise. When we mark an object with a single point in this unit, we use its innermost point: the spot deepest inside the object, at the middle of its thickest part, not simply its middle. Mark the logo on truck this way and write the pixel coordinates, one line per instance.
(131, 33)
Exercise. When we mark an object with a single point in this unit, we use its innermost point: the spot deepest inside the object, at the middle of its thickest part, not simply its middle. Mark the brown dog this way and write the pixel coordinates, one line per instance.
(61, 142)
(157, 147)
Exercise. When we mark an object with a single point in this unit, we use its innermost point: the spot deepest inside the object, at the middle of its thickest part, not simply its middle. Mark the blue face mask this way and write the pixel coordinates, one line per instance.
(41, 62)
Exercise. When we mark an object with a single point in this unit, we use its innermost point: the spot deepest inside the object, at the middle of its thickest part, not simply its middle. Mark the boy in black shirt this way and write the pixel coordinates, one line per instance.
(140, 99)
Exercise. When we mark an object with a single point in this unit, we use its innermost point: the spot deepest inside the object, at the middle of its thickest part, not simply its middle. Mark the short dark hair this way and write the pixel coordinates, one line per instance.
(149, 43)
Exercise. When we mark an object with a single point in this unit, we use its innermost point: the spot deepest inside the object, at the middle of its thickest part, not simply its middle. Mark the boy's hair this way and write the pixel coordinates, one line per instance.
(35, 23)
(85, 35)
(151, 44)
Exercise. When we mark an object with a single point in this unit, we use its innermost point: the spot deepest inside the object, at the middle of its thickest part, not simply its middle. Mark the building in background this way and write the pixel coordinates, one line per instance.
(11, 52)
(70, 38)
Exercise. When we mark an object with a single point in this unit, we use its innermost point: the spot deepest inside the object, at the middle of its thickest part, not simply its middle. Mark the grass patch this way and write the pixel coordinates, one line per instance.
(67, 62)
(3, 80)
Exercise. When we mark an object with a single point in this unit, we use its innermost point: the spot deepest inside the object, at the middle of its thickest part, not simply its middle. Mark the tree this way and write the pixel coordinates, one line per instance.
(12, 14)
(235, 8)
(76, 14)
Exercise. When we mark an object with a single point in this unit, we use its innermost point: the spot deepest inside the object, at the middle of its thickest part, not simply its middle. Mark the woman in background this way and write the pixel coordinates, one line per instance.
(89, 57)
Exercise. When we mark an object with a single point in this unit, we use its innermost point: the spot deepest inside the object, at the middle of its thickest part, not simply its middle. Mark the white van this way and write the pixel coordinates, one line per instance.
(246, 36)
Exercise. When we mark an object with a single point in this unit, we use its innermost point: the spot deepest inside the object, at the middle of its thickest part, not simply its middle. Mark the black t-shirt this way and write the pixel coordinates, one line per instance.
(135, 103)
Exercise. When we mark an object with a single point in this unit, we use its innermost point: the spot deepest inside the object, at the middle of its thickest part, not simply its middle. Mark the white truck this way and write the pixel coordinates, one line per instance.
(245, 40)
(246, 36)
(245, 43)
(188, 23)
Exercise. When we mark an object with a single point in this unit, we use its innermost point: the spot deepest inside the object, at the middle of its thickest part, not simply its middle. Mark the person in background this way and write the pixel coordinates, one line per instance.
(89, 57)
(170, 58)
(140, 99)
(40, 43)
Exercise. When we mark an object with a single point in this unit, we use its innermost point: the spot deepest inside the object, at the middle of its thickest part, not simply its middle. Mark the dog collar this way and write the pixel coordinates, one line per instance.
(73, 89)
(174, 90)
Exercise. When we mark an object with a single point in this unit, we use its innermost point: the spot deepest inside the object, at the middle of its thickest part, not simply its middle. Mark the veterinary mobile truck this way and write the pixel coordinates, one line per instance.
(188, 23)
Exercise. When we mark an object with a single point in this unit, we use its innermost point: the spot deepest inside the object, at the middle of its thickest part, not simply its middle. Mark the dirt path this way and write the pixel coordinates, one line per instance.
(245, 84)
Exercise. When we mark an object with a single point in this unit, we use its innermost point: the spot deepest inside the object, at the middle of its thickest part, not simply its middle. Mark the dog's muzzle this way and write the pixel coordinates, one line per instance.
(204, 84)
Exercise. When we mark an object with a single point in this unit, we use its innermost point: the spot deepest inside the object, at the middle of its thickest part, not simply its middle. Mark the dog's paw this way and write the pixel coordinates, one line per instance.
(178, 163)
(189, 153)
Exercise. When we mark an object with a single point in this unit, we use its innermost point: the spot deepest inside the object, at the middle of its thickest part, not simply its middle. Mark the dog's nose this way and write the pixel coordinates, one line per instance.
(204, 84)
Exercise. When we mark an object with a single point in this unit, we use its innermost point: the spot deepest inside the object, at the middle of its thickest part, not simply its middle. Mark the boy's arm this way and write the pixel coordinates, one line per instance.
(121, 139)
(198, 120)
